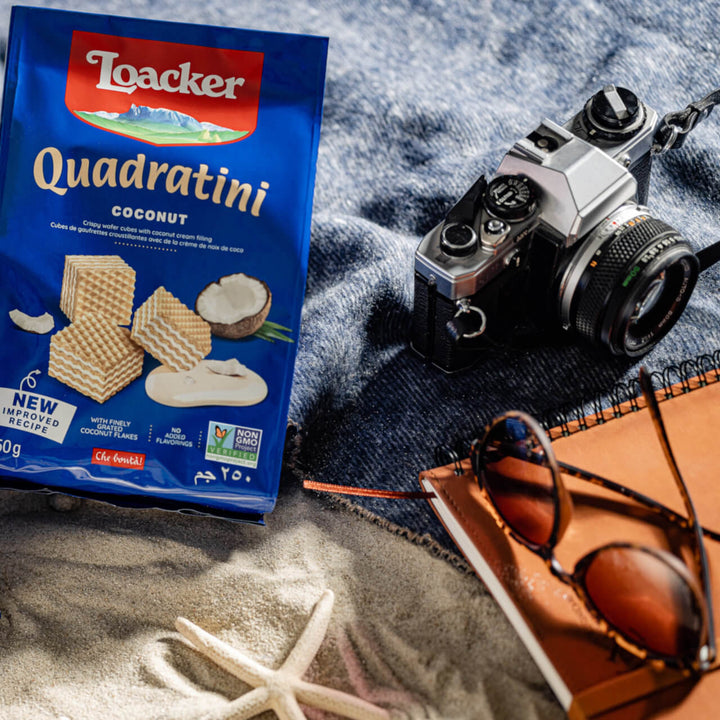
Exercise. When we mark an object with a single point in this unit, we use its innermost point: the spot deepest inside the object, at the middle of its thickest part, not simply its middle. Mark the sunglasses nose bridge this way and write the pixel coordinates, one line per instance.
(559, 571)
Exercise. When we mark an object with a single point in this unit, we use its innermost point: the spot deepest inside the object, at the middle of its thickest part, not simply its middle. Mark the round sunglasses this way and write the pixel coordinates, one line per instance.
(645, 598)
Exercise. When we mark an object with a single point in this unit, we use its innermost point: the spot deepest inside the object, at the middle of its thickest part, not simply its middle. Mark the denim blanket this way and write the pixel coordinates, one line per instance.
(421, 98)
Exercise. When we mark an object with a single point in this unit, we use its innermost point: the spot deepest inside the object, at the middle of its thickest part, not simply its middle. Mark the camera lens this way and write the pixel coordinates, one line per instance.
(629, 282)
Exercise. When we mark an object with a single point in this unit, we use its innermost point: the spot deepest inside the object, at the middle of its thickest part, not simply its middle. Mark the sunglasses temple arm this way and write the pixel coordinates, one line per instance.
(658, 507)
(693, 524)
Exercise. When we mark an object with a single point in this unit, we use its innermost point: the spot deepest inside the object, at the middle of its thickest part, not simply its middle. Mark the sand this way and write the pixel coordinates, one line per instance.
(89, 599)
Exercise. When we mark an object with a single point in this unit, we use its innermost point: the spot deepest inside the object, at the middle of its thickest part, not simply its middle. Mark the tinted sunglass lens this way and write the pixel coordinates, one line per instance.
(518, 479)
(643, 596)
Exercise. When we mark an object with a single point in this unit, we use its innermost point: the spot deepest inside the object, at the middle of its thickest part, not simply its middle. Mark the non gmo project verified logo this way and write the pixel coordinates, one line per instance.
(233, 444)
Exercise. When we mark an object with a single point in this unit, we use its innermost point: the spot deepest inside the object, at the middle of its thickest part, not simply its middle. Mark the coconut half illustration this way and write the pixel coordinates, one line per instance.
(235, 305)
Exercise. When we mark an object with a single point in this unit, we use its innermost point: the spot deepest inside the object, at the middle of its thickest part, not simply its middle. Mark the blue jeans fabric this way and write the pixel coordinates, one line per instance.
(421, 98)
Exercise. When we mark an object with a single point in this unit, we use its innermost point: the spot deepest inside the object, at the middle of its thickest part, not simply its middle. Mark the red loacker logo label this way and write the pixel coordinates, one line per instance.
(118, 458)
(163, 93)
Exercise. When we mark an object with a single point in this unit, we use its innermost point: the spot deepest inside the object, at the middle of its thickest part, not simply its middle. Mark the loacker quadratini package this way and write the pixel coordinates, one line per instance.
(156, 185)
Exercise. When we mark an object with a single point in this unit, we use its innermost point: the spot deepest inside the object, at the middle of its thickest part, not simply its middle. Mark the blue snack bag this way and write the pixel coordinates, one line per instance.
(156, 189)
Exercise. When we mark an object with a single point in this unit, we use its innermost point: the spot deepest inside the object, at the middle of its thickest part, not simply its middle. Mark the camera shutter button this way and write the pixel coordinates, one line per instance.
(495, 227)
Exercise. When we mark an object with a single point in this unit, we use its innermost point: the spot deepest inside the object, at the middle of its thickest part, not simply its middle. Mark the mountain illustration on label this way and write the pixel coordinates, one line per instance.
(160, 126)
(163, 93)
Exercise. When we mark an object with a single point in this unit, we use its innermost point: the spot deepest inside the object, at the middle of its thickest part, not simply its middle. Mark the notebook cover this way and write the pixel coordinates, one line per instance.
(589, 675)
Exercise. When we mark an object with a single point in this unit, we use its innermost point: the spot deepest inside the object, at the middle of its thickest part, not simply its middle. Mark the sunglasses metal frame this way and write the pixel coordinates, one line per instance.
(706, 654)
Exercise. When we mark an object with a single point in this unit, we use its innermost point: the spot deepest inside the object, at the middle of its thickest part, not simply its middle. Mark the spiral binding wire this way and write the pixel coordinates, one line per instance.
(447, 455)
(623, 398)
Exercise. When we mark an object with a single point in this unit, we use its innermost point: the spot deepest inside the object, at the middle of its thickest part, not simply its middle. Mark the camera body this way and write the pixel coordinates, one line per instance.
(558, 240)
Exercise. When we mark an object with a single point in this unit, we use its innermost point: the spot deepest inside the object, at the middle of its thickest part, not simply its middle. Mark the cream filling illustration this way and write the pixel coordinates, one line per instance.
(211, 382)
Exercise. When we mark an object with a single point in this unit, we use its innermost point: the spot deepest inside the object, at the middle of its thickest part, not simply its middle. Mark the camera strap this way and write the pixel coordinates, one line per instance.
(671, 134)
(708, 256)
(675, 126)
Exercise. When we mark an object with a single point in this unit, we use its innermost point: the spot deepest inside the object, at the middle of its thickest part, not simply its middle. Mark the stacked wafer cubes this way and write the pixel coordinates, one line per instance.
(171, 332)
(98, 285)
(95, 354)
(95, 357)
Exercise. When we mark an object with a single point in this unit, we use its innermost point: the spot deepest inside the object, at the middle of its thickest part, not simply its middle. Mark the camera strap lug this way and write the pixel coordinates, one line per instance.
(468, 323)
(675, 126)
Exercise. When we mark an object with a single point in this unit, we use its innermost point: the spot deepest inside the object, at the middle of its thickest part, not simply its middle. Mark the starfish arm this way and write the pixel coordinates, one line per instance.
(224, 655)
(300, 657)
(249, 705)
(340, 703)
(286, 707)
(281, 690)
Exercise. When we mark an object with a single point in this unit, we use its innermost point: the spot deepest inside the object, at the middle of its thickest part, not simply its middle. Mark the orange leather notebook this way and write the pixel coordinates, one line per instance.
(590, 676)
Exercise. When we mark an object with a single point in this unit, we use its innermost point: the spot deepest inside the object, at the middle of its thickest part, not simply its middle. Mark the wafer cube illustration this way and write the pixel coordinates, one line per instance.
(95, 357)
(98, 285)
(172, 333)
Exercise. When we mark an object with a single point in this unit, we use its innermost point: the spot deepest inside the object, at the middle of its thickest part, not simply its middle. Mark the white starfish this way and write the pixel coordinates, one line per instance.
(281, 690)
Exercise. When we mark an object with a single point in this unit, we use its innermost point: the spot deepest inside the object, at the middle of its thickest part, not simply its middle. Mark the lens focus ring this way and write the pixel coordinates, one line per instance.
(611, 267)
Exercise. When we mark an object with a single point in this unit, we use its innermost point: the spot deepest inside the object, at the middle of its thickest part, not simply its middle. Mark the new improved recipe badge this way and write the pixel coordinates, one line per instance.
(31, 412)
(233, 444)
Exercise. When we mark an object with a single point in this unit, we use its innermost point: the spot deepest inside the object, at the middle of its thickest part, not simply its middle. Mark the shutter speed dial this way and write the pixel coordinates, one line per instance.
(510, 197)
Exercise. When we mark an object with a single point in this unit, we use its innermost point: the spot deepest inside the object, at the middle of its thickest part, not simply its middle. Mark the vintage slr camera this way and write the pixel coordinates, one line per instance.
(559, 239)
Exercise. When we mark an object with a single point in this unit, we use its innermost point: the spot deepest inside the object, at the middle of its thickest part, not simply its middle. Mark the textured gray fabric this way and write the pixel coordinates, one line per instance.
(421, 98)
